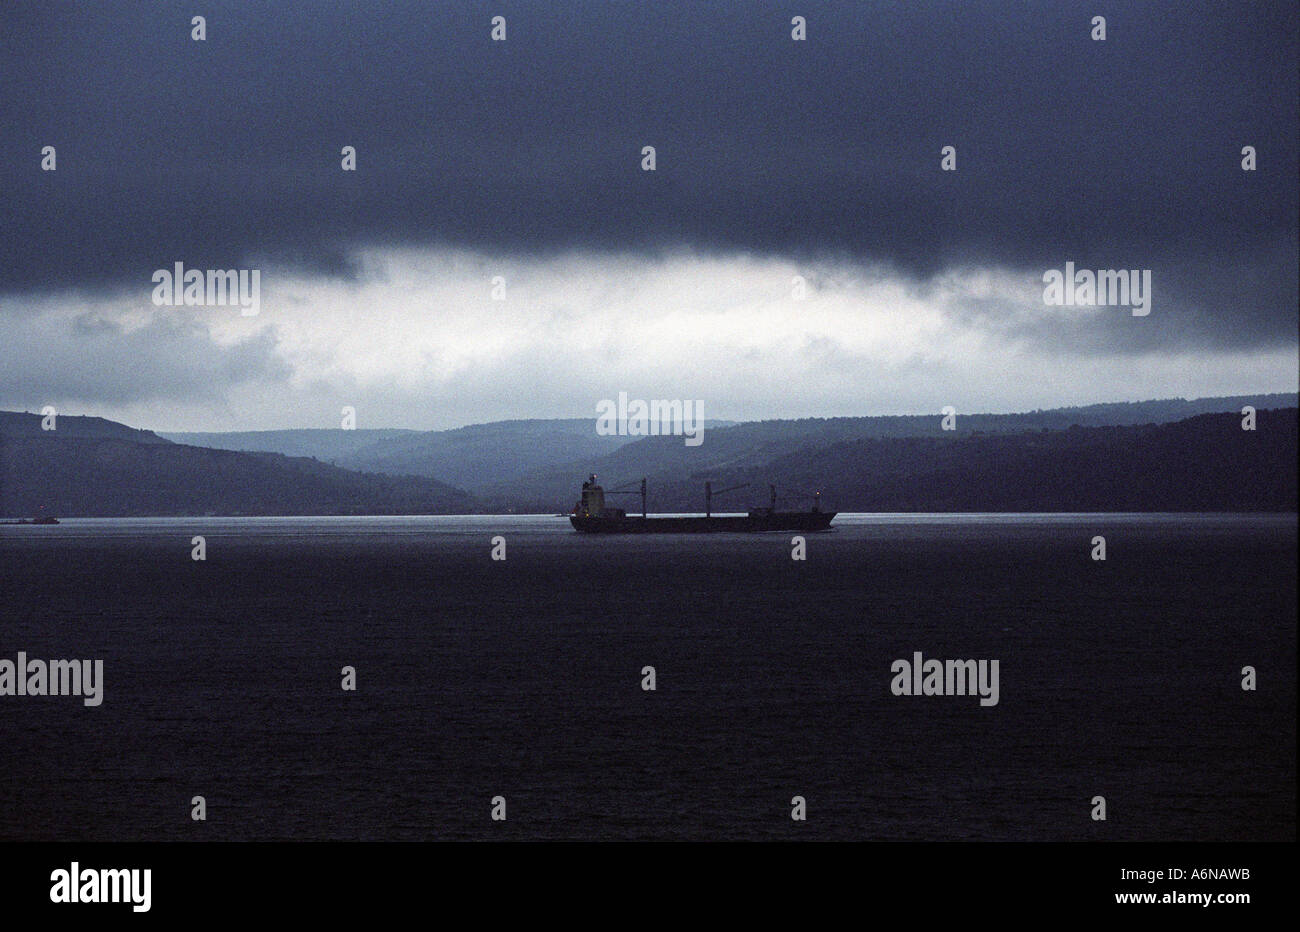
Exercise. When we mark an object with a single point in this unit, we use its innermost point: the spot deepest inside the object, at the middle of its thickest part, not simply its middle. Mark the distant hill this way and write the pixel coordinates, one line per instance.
(81, 477)
(506, 461)
(321, 443)
(726, 451)
(1202, 463)
(481, 454)
(1038, 461)
(25, 424)
(1119, 414)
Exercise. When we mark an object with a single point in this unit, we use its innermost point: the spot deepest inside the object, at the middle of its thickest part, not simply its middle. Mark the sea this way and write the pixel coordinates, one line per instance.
(509, 697)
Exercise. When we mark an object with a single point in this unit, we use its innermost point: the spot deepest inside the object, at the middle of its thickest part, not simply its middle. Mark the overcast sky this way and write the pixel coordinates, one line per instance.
(523, 159)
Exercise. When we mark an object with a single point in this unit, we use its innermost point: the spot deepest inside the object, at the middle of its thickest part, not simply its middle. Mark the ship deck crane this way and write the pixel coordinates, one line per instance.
(789, 494)
(709, 493)
(622, 491)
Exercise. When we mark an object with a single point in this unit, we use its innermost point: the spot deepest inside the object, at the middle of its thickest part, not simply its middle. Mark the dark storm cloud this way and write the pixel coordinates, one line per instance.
(1123, 153)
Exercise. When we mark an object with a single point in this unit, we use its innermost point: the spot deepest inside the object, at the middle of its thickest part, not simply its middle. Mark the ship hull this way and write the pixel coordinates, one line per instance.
(779, 521)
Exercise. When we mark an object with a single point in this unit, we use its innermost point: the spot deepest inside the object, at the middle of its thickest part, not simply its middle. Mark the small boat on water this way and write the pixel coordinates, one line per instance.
(592, 516)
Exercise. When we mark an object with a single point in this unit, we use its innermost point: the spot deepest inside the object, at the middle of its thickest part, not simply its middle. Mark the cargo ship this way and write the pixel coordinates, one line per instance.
(592, 516)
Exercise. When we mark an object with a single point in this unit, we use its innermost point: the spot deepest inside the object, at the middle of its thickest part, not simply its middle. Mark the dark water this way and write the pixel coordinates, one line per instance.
(522, 679)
